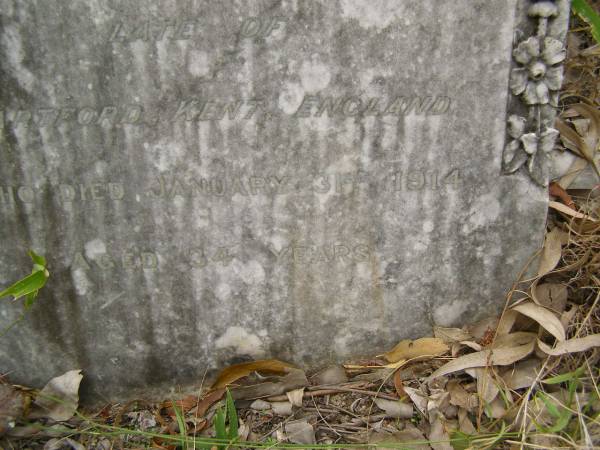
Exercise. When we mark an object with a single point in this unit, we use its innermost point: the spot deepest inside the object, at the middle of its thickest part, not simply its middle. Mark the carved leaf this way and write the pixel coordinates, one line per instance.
(514, 157)
(527, 50)
(547, 139)
(530, 143)
(554, 51)
(518, 81)
(516, 126)
(554, 77)
(538, 168)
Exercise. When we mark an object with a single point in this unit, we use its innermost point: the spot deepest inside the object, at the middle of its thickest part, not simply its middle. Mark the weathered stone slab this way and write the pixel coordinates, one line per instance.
(218, 181)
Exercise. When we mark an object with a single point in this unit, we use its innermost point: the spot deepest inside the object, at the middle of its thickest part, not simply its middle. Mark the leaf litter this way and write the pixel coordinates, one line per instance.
(529, 376)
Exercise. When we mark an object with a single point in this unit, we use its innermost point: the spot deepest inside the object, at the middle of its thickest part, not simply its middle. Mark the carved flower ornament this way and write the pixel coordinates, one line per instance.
(530, 148)
(539, 78)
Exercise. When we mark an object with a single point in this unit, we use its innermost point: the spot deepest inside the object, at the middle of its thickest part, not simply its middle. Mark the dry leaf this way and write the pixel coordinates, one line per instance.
(556, 190)
(486, 385)
(522, 375)
(464, 423)
(410, 437)
(260, 405)
(550, 253)
(282, 408)
(424, 347)
(550, 295)
(480, 328)
(578, 165)
(496, 409)
(460, 397)
(438, 436)
(330, 375)
(237, 371)
(300, 432)
(395, 408)
(59, 398)
(546, 318)
(494, 357)
(294, 379)
(398, 385)
(568, 211)
(571, 346)
(507, 321)
(418, 398)
(208, 400)
(60, 444)
(295, 397)
(12, 405)
(451, 335)
(514, 339)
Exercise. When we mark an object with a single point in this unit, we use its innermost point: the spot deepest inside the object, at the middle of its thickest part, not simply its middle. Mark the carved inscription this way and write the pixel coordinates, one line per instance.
(128, 259)
(66, 193)
(261, 27)
(317, 106)
(170, 185)
(150, 30)
(329, 253)
(46, 117)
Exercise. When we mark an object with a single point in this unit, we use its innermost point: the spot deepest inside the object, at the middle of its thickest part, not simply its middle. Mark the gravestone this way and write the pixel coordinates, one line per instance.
(213, 182)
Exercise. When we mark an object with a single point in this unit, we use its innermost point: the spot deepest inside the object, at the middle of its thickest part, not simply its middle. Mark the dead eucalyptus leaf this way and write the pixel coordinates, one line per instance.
(330, 375)
(295, 397)
(460, 397)
(464, 423)
(482, 327)
(418, 398)
(395, 408)
(507, 321)
(260, 405)
(398, 385)
(300, 432)
(282, 408)
(451, 335)
(495, 409)
(419, 348)
(438, 436)
(522, 375)
(60, 444)
(571, 346)
(550, 253)
(12, 406)
(494, 357)
(237, 371)
(514, 339)
(472, 345)
(294, 379)
(578, 166)
(546, 318)
(58, 400)
(550, 295)
(569, 211)
(486, 385)
(556, 190)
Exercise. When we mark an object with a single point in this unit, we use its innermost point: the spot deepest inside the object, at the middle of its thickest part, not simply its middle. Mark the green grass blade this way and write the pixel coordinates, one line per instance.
(563, 378)
(220, 431)
(37, 259)
(27, 285)
(584, 10)
(232, 416)
(181, 424)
